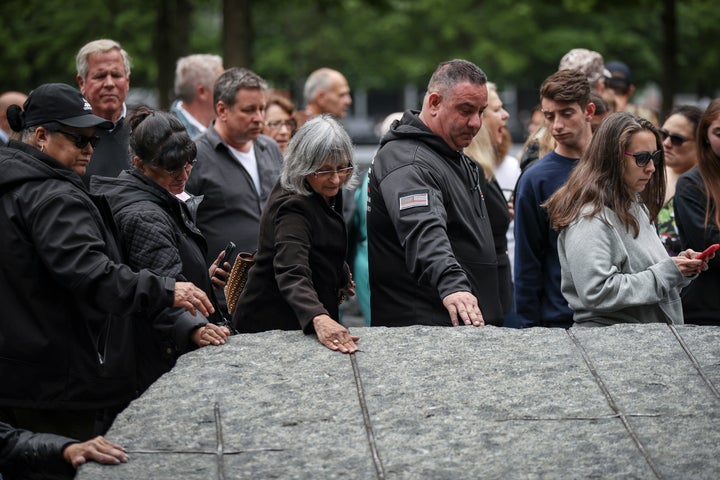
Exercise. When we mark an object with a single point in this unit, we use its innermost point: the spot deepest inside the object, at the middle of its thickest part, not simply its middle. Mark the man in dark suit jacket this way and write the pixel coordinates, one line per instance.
(236, 167)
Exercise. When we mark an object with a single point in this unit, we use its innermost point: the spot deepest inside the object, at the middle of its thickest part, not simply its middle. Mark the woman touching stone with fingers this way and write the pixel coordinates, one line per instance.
(300, 272)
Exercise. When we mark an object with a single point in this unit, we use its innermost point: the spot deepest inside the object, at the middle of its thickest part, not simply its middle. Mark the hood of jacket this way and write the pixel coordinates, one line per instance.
(411, 127)
(132, 186)
(21, 163)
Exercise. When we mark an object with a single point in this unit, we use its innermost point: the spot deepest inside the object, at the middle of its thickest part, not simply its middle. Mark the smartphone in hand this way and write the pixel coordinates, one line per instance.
(229, 250)
(708, 251)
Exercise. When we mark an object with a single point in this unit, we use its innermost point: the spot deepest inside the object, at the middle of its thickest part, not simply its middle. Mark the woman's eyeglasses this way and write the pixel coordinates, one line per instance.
(643, 158)
(177, 174)
(278, 124)
(675, 139)
(81, 141)
(341, 172)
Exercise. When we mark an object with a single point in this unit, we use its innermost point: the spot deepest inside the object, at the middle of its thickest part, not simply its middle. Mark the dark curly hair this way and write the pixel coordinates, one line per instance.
(159, 139)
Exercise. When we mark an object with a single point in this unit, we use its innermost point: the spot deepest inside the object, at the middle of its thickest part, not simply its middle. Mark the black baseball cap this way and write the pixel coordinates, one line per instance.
(619, 72)
(61, 103)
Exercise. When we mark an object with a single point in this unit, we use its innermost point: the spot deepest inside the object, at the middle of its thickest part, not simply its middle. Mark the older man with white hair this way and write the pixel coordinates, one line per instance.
(194, 79)
(326, 91)
(103, 75)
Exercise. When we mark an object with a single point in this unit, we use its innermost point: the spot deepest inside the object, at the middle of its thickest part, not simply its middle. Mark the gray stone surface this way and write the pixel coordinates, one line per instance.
(434, 403)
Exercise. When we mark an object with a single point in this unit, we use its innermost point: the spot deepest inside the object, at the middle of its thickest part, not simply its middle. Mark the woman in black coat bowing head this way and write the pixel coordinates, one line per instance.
(157, 233)
(300, 275)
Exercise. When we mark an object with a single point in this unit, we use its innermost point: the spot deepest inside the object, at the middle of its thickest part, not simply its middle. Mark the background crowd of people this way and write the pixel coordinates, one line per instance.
(123, 215)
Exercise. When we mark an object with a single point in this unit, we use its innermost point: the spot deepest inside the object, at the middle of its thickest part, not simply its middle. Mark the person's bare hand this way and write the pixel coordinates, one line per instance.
(689, 264)
(99, 449)
(190, 297)
(219, 271)
(463, 306)
(333, 335)
(347, 291)
(210, 334)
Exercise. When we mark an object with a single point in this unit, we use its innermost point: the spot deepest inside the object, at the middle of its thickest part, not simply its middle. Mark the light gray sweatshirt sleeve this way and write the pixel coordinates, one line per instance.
(605, 269)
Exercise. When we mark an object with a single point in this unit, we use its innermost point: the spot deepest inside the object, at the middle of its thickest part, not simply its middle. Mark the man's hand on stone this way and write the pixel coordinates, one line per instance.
(463, 306)
(98, 449)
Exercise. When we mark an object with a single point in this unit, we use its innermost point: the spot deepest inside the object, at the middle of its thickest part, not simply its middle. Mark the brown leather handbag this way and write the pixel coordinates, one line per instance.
(238, 278)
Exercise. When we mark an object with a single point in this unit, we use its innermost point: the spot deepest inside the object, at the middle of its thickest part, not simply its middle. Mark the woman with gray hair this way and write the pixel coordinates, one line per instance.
(300, 275)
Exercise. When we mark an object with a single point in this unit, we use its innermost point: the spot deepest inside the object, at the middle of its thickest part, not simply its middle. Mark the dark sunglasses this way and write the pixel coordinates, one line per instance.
(81, 141)
(675, 139)
(643, 158)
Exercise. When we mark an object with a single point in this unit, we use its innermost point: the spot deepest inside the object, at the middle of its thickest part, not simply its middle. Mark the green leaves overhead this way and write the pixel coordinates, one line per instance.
(378, 44)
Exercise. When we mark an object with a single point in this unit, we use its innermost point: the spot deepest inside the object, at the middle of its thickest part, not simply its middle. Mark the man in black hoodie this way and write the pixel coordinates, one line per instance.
(431, 252)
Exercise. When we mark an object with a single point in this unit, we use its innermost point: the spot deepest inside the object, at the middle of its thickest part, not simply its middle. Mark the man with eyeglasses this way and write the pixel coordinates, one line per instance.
(565, 103)
(237, 166)
(431, 251)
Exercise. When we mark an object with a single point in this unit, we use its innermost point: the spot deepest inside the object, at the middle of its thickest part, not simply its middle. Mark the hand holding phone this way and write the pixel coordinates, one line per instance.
(229, 250)
(218, 272)
(708, 251)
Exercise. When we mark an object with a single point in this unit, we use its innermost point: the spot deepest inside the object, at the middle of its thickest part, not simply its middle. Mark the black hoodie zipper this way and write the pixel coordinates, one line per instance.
(473, 172)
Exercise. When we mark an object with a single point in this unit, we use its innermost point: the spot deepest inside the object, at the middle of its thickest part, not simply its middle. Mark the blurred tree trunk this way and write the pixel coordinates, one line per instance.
(172, 41)
(669, 56)
(237, 33)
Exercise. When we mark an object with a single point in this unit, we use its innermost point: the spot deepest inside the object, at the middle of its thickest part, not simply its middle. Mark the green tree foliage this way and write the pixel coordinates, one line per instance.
(40, 38)
(378, 44)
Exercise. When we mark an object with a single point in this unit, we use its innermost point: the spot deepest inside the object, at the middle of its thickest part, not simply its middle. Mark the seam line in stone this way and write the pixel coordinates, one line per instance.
(613, 405)
(220, 446)
(377, 462)
(694, 361)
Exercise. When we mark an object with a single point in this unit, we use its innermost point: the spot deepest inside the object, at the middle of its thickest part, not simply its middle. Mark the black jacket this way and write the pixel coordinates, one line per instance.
(64, 340)
(157, 233)
(26, 455)
(299, 267)
(111, 155)
(499, 222)
(700, 299)
(429, 233)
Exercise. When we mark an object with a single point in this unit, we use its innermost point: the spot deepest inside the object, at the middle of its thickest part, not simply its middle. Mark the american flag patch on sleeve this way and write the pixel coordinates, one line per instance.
(414, 200)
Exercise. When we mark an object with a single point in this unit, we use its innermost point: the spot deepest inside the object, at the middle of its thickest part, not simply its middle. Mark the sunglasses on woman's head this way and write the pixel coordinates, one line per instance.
(675, 139)
(643, 158)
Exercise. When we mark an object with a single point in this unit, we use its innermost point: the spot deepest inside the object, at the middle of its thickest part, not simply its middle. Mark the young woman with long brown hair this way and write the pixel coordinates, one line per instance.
(614, 266)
